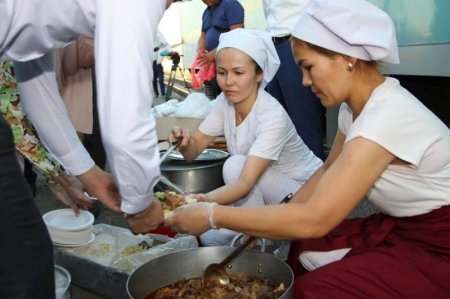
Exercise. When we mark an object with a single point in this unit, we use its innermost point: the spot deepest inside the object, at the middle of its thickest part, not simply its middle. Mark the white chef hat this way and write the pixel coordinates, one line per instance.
(255, 43)
(355, 28)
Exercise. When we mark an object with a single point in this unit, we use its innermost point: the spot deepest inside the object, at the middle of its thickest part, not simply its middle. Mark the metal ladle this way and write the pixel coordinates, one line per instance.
(214, 272)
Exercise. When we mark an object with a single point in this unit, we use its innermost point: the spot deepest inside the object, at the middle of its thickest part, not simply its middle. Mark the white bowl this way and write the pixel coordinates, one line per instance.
(66, 228)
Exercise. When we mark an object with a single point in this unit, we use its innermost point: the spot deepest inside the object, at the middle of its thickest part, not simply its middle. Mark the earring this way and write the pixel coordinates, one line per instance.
(350, 66)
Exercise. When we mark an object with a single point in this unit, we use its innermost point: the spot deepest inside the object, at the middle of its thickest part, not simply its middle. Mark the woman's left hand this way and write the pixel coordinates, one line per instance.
(191, 219)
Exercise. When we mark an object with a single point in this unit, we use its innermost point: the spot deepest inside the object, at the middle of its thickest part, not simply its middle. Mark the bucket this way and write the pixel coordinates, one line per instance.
(62, 283)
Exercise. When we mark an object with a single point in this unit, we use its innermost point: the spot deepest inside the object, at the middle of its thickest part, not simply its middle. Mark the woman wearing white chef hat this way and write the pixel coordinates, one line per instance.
(268, 158)
(389, 148)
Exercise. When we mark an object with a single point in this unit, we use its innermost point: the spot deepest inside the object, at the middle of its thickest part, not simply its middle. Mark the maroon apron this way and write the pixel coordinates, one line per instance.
(407, 257)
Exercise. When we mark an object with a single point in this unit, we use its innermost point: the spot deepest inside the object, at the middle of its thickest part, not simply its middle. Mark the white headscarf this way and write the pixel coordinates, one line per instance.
(352, 27)
(255, 43)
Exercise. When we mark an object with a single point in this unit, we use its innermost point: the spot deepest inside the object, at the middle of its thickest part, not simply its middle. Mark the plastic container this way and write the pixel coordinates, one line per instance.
(62, 283)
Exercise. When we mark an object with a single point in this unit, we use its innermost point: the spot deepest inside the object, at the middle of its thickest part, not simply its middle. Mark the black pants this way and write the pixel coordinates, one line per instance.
(93, 142)
(26, 251)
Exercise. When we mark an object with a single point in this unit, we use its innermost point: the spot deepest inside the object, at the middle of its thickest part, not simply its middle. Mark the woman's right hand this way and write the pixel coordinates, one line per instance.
(182, 136)
(69, 190)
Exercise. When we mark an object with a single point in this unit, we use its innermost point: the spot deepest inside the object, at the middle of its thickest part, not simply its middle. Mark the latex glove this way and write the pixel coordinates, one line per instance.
(193, 219)
(69, 191)
(149, 219)
(100, 184)
(200, 197)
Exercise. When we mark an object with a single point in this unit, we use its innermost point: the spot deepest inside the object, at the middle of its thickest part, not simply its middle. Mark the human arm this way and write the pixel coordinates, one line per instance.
(339, 189)
(64, 187)
(41, 101)
(308, 188)
(128, 129)
(201, 44)
(191, 146)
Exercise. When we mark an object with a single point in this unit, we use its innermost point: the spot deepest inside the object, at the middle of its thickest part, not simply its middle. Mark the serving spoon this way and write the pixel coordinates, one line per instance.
(214, 272)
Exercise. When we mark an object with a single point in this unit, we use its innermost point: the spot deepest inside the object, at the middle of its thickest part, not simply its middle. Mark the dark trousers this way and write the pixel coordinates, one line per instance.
(26, 251)
(158, 75)
(93, 142)
(304, 109)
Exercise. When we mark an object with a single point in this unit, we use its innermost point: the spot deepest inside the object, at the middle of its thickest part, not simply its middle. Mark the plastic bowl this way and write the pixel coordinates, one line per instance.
(66, 228)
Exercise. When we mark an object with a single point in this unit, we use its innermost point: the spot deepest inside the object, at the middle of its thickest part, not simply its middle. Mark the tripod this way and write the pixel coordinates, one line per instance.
(173, 73)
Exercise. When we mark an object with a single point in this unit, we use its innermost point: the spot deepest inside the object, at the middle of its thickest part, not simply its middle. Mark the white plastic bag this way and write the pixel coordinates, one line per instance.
(165, 109)
(195, 105)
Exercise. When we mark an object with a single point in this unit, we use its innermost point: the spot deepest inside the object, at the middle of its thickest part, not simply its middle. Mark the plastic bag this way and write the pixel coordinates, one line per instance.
(195, 105)
(199, 74)
(165, 109)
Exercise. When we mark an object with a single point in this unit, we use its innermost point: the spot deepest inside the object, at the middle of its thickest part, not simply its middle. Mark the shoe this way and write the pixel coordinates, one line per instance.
(312, 260)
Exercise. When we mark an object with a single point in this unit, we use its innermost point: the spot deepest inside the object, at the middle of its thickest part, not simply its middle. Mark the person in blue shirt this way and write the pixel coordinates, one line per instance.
(219, 16)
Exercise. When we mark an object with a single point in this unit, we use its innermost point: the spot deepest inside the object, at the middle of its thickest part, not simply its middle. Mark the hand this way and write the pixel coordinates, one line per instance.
(69, 191)
(200, 197)
(149, 219)
(207, 58)
(192, 219)
(183, 136)
(100, 184)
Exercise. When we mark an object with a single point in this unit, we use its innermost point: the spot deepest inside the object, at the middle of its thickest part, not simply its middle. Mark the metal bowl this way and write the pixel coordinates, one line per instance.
(190, 264)
(199, 176)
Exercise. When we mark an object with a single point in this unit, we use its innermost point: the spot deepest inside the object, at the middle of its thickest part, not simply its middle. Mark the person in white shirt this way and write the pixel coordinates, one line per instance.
(389, 148)
(303, 108)
(29, 33)
(268, 160)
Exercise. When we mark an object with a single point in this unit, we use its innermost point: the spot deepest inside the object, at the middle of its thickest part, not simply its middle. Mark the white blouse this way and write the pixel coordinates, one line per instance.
(266, 132)
(401, 124)
(124, 33)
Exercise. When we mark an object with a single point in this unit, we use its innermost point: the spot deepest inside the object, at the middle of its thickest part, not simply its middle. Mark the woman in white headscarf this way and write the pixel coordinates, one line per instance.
(389, 148)
(268, 158)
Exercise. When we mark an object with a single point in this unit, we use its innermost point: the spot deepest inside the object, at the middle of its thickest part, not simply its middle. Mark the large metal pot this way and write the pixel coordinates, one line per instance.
(172, 267)
(199, 176)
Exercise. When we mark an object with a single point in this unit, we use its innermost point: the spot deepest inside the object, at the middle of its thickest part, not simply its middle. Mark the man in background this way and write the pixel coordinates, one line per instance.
(219, 16)
(302, 106)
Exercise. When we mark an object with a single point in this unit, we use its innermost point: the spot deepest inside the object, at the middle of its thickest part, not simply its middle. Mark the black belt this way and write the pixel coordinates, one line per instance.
(281, 39)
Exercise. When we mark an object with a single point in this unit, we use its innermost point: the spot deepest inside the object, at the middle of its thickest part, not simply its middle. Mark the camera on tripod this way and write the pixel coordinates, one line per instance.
(174, 56)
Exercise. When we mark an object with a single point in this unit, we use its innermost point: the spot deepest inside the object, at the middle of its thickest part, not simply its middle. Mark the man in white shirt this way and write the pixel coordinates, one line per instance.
(303, 108)
(29, 32)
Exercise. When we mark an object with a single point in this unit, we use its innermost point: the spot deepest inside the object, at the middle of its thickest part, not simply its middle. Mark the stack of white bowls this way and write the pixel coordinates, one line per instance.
(68, 230)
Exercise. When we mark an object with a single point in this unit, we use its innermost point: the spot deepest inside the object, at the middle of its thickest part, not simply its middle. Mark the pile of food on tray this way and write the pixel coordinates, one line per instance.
(241, 286)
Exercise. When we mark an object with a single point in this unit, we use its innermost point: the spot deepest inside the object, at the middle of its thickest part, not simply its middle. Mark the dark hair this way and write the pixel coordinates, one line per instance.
(331, 53)
(258, 69)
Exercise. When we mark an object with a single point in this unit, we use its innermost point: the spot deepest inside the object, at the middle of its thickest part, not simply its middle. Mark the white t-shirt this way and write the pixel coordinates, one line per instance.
(266, 132)
(124, 33)
(396, 120)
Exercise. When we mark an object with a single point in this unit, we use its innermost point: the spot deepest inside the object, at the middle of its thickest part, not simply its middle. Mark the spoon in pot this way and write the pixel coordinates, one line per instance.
(216, 273)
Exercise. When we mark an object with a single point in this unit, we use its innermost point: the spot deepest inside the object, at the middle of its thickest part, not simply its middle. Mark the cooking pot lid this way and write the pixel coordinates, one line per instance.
(206, 155)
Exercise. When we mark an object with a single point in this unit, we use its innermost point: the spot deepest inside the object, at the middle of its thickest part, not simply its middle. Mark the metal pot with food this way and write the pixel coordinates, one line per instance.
(252, 270)
(199, 176)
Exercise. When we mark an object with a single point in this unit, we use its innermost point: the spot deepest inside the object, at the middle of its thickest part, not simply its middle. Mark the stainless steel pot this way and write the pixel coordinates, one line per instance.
(199, 176)
(172, 267)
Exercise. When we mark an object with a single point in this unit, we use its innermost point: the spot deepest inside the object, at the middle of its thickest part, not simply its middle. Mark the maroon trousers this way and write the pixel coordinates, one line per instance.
(406, 257)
